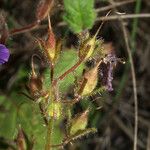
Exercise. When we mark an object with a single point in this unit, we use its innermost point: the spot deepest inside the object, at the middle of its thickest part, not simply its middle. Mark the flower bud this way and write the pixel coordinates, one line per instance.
(51, 47)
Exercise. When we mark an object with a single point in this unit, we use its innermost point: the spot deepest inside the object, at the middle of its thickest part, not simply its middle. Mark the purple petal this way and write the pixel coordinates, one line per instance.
(106, 70)
(106, 75)
(4, 54)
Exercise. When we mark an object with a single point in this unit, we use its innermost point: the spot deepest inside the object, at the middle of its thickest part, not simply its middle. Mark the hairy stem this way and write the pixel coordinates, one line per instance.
(24, 29)
(49, 134)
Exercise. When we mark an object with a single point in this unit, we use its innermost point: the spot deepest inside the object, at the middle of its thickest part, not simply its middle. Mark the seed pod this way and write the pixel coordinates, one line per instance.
(91, 77)
(35, 84)
(78, 123)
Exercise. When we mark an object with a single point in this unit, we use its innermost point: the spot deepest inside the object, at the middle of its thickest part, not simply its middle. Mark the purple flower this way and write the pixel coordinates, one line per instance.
(106, 70)
(4, 54)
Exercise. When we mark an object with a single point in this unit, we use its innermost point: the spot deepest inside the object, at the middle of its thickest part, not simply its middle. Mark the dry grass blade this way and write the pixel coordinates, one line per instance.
(133, 77)
(106, 8)
(134, 86)
(128, 16)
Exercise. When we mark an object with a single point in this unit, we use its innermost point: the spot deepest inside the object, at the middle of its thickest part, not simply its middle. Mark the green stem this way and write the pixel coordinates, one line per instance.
(49, 134)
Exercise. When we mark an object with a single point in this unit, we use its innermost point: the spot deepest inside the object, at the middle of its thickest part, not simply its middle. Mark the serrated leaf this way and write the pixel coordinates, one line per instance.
(79, 14)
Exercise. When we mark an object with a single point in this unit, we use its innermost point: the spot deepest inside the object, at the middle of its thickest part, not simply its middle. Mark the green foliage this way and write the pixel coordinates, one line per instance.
(67, 60)
(19, 112)
(7, 119)
(80, 14)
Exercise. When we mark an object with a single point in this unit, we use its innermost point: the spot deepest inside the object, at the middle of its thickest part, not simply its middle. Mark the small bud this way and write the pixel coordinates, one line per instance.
(78, 123)
(51, 47)
(55, 110)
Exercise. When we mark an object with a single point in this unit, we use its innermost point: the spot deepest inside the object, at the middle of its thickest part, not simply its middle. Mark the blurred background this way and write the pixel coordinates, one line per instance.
(115, 120)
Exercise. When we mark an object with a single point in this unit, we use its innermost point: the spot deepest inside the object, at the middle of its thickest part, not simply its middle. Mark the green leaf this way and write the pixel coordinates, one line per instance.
(80, 14)
(32, 123)
(67, 60)
(8, 119)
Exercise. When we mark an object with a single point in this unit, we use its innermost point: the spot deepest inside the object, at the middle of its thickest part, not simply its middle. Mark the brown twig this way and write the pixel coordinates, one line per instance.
(134, 86)
(128, 16)
(106, 8)
(115, 17)
(24, 29)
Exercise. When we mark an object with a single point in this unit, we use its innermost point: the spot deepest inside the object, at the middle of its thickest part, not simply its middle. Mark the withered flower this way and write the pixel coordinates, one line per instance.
(106, 70)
